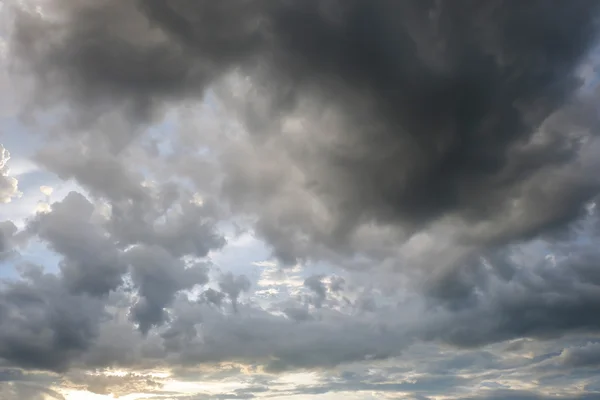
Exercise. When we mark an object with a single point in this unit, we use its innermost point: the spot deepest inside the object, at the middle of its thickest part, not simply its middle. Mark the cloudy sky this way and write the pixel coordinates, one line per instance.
(299, 199)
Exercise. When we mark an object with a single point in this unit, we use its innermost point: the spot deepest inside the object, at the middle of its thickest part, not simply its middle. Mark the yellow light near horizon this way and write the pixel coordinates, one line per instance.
(81, 395)
(84, 395)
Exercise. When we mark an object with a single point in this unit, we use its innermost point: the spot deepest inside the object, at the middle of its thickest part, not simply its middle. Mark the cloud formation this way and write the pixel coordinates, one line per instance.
(8, 184)
(399, 113)
(346, 188)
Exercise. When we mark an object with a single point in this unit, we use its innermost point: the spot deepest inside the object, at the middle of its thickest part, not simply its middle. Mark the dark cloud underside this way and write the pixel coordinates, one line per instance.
(438, 101)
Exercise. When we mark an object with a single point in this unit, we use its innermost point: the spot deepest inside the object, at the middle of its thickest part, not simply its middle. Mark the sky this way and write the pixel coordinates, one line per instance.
(299, 199)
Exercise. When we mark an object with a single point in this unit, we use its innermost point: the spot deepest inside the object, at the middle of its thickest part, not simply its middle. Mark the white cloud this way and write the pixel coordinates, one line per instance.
(8, 184)
(46, 190)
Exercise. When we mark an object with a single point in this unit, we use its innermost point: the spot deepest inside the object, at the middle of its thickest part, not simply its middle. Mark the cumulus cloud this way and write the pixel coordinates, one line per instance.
(424, 119)
(158, 277)
(43, 325)
(315, 284)
(91, 262)
(424, 173)
(233, 286)
(8, 184)
(46, 190)
(585, 356)
(7, 239)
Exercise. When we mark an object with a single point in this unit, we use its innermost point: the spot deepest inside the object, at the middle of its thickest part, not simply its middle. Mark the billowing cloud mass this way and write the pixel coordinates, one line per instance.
(8, 184)
(308, 198)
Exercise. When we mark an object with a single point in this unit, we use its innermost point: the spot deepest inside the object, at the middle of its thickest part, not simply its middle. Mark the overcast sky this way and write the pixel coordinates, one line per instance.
(299, 199)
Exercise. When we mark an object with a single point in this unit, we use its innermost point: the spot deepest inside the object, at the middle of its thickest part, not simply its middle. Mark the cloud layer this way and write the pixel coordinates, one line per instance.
(284, 186)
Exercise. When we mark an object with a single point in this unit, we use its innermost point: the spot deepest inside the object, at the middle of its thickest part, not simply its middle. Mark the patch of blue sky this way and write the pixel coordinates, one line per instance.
(320, 268)
(30, 181)
(210, 99)
(245, 254)
(36, 253)
(8, 269)
(240, 255)
(161, 134)
(14, 136)
(24, 207)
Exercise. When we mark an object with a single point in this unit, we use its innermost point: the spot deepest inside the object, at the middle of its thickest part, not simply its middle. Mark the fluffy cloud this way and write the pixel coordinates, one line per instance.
(7, 236)
(233, 286)
(158, 277)
(468, 123)
(43, 325)
(8, 184)
(424, 174)
(91, 261)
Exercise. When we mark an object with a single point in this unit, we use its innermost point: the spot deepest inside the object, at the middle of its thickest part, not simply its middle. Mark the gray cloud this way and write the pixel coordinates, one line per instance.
(43, 325)
(182, 228)
(233, 286)
(586, 356)
(528, 395)
(431, 109)
(297, 313)
(418, 142)
(316, 285)
(255, 336)
(212, 296)
(92, 262)
(16, 391)
(98, 171)
(509, 295)
(405, 120)
(158, 277)
(7, 239)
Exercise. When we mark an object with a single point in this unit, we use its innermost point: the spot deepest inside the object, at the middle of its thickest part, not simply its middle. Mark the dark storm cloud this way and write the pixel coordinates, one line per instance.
(158, 277)
(190, 230)
(212, 296)
(91, 261)
(437, 101)
(585, 356)
(545, 297)
(438, 107)
(42, 325)
(368, 121)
